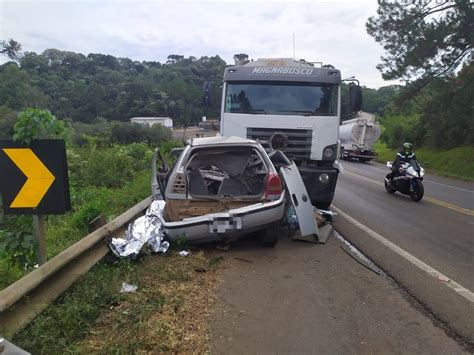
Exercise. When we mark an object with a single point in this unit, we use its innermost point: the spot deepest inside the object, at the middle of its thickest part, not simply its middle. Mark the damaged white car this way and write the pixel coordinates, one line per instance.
(220, 188)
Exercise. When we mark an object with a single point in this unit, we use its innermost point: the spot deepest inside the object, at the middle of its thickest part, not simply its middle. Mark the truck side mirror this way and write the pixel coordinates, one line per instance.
(207, 98)
(355, 97)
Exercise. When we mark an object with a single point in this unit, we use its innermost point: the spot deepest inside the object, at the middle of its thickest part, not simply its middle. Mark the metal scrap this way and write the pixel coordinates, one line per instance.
(357, 255)
(145, 230)
(128, 288)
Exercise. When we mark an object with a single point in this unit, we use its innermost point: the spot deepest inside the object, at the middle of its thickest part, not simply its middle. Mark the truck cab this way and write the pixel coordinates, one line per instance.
(290, 105)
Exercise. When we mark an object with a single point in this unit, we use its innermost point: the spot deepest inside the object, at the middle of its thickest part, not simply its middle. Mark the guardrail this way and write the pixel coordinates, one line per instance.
(23, 300)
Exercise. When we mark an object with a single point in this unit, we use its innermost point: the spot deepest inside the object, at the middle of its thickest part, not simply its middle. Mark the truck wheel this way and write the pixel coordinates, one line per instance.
(323, 206)
(341, 153)
(269, 236)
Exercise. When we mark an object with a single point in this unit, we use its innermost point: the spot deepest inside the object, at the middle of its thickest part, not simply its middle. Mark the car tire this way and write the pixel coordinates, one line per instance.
(269, 236)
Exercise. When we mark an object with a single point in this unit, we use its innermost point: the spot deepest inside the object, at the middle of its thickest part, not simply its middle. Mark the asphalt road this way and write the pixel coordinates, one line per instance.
(308, 298)
(303, 298)
(439, 230)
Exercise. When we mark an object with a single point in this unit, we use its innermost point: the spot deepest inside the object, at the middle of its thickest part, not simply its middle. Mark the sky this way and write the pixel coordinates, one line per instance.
(329, 31)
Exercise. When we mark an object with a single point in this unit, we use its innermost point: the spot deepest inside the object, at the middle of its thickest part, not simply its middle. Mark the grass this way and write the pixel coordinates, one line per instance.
(168, 312)
(63, 231)
(457, 162)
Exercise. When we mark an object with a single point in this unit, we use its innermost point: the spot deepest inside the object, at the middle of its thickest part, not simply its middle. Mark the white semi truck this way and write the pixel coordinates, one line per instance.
(358, 136)
(294, 106)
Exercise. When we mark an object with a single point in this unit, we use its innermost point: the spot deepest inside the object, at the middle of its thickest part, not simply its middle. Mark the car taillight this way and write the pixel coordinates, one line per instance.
(179, 184)
(273, 188)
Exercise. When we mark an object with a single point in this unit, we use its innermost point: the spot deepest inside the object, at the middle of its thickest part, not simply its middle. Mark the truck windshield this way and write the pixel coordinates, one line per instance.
(281, 98)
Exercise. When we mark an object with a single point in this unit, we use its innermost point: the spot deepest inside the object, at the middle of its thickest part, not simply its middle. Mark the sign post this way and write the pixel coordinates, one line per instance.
(38, 224)
(34, 181)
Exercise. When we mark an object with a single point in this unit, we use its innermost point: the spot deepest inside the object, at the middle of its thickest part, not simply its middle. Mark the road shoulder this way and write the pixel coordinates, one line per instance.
(308, 298)
(444, 303)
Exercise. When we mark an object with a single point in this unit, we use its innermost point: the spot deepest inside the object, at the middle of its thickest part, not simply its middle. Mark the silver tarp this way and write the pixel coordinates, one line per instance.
(145, 230)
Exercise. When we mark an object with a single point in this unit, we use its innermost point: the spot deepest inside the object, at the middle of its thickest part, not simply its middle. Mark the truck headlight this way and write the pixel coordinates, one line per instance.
(328, 152)
(324, 178)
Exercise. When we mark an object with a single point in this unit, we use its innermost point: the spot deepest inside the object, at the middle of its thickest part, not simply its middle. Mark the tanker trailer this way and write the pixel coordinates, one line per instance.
(357, 137)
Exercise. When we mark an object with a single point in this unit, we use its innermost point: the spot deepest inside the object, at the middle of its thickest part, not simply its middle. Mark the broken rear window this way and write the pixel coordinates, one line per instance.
(226, 172)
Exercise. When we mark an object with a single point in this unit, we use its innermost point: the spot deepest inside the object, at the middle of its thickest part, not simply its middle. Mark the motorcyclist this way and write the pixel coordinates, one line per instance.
(403, 156)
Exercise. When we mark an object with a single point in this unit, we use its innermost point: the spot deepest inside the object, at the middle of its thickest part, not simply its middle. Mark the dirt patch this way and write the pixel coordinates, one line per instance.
(168, 312)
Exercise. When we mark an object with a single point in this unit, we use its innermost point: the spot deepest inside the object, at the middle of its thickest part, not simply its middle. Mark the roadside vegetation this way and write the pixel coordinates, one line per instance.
(169, 310)
(106, 178)
(167, 313)
(433, 110)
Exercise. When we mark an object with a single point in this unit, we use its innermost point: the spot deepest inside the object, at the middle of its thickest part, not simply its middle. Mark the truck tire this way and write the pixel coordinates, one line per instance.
(269, 236)
(323, 206)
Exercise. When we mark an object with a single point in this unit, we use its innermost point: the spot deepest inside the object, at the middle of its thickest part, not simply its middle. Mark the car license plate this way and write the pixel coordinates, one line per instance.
(224, 224)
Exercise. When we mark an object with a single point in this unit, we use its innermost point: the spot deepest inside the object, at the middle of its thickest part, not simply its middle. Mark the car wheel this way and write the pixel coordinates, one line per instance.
(269, 236)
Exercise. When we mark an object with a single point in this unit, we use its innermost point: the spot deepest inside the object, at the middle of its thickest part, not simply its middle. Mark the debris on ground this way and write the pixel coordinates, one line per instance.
(223, 245)
(444, 279)
(183, 253)
(357, 255)
(128, 288)
(8, 348)
(145, 230)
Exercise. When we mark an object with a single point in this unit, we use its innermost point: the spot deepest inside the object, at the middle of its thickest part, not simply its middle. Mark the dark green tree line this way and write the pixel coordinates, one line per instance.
(84, 88)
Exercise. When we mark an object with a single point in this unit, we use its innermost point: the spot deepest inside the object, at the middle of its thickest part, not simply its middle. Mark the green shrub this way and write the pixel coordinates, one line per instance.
(17, 248)
(86, 214)
(35, 123)
(107, 167)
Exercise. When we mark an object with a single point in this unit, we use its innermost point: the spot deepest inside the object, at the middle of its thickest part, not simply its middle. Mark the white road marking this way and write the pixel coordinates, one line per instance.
(461, 290)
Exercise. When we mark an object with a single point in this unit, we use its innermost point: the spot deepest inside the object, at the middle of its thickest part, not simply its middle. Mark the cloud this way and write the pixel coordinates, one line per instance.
(332, 32)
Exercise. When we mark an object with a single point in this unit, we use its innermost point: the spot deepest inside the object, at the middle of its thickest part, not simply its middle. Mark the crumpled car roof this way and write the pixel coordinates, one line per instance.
(220, 140)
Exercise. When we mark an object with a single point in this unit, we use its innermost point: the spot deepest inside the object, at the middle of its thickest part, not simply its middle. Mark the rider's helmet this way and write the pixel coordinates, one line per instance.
(407, 148)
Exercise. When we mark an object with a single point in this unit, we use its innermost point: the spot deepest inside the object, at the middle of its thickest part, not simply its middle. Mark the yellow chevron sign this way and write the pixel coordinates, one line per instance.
(39, 178)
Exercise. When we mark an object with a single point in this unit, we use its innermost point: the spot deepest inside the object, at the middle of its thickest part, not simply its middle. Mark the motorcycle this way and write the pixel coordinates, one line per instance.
(408, 181)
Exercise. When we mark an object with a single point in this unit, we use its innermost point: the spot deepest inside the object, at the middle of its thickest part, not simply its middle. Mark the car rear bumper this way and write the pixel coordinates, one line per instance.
(226, 225)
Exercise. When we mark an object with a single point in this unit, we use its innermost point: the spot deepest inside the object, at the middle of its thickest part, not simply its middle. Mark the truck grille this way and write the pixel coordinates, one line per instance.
(299, 140)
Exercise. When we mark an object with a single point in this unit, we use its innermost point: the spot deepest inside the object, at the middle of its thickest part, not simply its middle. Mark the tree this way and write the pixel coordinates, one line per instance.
(11, 48)
(35, 123)
(423, 38)
(174, 58)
